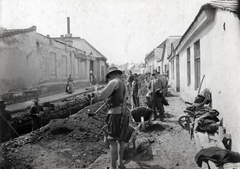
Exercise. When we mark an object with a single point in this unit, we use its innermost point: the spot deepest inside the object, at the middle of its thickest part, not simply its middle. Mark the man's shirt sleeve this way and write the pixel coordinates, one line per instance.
(108, 90)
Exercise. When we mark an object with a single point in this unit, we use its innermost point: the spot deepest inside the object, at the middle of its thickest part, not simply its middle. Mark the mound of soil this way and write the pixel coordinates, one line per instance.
(65, 143)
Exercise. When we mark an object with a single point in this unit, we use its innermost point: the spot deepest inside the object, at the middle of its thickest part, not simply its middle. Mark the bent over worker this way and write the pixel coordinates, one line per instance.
(116, 92)
(5, 133)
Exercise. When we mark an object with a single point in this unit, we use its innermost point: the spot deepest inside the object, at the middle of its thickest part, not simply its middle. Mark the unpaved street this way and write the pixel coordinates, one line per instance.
(165, 145)
(77, 142)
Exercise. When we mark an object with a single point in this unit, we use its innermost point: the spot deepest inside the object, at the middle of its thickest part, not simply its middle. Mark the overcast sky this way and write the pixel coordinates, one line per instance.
(122, 30)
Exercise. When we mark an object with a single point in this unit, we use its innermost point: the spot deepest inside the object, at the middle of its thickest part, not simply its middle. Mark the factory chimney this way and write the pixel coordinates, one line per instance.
(68, 25)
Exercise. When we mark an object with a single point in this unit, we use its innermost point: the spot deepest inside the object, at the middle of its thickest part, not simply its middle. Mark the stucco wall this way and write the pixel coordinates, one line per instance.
(151, 62)
(19, 62)
(172, 81)
(31, 60)
(220, 58)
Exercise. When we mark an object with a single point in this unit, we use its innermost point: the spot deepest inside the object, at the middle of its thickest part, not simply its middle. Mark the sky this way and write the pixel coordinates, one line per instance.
(122, 30)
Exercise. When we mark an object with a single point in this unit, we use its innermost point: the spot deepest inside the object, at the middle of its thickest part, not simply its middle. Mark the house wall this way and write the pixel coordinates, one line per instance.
(31, 60)
(220, 58)
(19, 62)
(99, 71)
(151, 64)
(172, 81)
(166, 54)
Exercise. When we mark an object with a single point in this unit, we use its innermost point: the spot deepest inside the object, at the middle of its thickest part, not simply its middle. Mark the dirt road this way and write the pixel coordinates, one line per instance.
(77, 142)
(165, 145)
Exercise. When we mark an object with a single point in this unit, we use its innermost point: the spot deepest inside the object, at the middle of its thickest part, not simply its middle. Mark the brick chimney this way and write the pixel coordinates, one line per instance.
(68, 25)
(68, 36)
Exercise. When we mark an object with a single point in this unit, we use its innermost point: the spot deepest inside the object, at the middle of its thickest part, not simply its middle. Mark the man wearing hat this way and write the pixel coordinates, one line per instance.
(156, 85)
(36, 111)
(135, 90)
(116, 93)
(5, 133)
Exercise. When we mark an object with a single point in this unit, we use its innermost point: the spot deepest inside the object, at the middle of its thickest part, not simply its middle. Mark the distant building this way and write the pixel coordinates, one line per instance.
(210, 48)
(98, 62)
(174, 68)
(157, 58)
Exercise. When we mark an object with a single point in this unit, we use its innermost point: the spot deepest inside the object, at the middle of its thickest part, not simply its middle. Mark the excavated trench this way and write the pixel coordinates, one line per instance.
(22, 122)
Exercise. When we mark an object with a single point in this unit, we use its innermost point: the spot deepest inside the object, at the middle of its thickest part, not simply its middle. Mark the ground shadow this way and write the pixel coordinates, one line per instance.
(167, 115)
(140, 155)
(154, 127)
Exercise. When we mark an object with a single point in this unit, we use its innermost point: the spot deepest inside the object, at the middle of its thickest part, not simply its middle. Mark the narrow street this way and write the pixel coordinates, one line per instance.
(77, 142)
(165, 145)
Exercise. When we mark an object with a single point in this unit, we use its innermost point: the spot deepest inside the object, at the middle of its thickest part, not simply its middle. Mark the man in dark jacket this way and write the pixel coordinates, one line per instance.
(156, 85)
(5, 132)
(36, 111)
(135, 90)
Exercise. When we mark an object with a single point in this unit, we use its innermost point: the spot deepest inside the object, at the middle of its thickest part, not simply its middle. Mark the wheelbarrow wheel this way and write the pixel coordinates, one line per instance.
(184, 121)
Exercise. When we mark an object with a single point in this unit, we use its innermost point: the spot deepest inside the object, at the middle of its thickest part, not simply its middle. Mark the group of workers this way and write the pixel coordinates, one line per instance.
(117, 92)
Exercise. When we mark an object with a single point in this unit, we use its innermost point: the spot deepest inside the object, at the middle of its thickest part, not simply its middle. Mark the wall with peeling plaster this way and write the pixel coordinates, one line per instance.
(30, 60)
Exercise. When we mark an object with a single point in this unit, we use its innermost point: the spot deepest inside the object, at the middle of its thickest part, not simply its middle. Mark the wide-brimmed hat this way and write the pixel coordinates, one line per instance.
(2, 101)
(135, 75)
(35, 100)
(155, 72)
(113, 69)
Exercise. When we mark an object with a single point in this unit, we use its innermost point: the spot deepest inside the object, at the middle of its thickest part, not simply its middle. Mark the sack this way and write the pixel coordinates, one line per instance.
(208, 125)
(160, 95)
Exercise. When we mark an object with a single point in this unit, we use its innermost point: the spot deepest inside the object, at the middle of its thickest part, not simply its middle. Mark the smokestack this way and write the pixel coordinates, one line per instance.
(68, 25)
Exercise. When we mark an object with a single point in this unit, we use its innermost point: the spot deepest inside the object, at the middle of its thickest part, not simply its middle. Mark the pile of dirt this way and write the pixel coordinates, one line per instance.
(22, 121)
(77, 139)
(77, 142)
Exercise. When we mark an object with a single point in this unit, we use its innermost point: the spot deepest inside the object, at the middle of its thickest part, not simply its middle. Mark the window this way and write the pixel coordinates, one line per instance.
(172, 69)
(188, 66)
(197, 64)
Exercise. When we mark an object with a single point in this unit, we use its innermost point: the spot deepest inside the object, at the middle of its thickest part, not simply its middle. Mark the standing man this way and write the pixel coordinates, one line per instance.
(156, 85)
(5, 132)
(135, 90)
(129, 81)
(163, 78)
(116, 92)
(36, 111)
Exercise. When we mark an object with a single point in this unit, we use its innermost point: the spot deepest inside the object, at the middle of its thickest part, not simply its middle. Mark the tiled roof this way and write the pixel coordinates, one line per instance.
(11, 32)
(159, 54)
(228, 5)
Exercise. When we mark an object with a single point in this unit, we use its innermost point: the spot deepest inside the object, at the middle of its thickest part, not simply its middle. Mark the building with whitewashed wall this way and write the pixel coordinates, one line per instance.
(158, 57)
(210, 48)
(30, 60)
